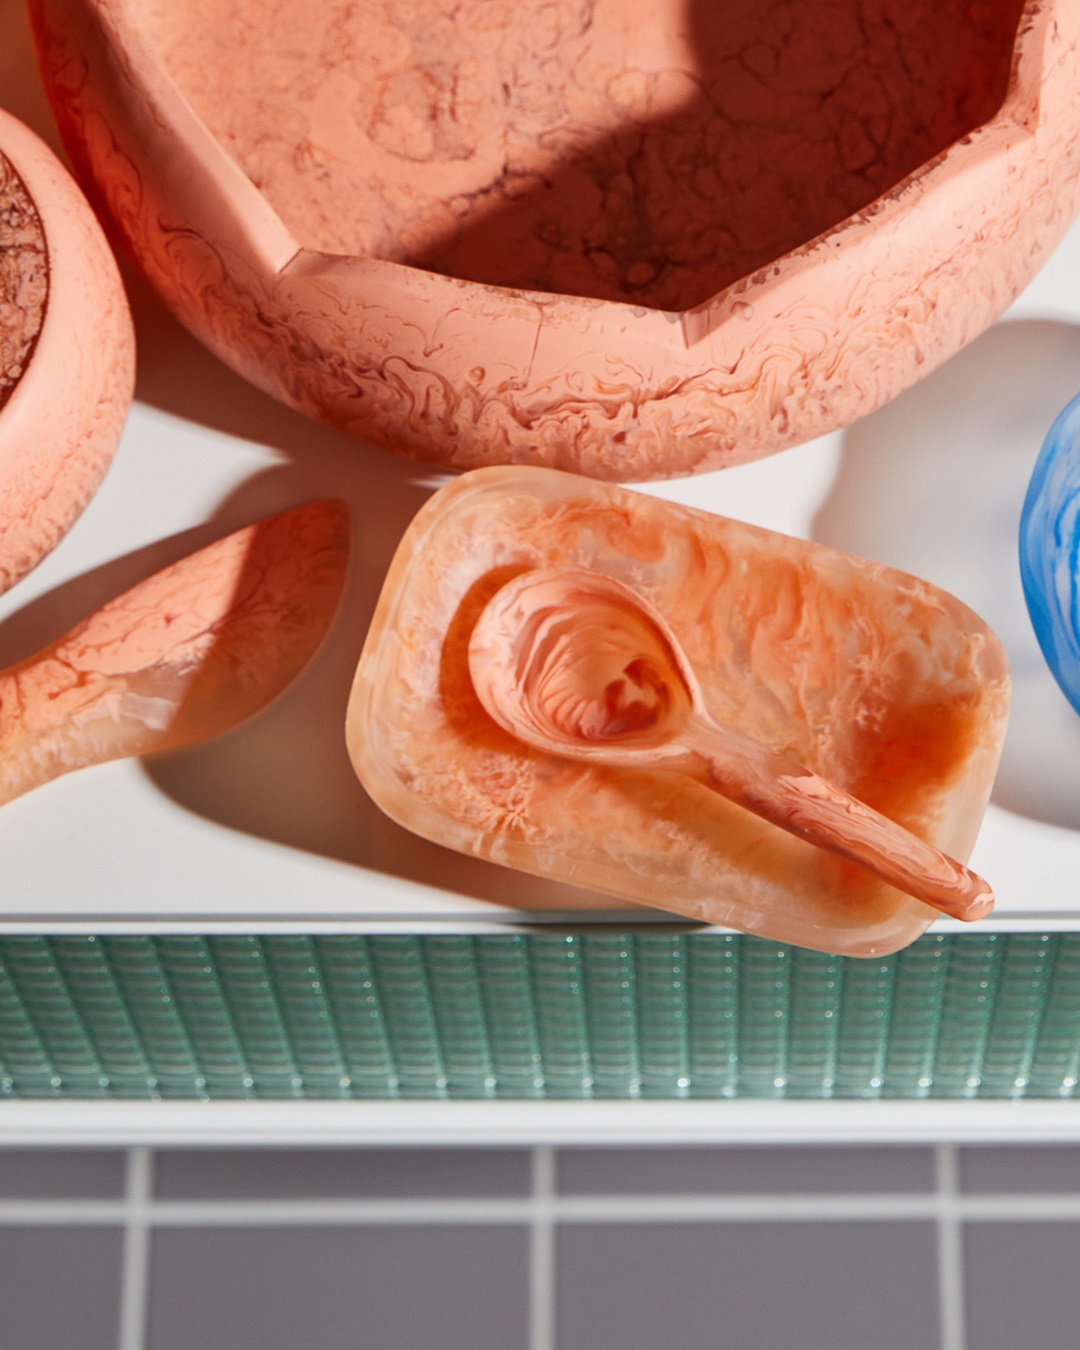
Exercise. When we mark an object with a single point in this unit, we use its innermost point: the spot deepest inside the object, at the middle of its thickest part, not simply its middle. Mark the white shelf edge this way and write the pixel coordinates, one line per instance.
(115, 1124)
(460, 924)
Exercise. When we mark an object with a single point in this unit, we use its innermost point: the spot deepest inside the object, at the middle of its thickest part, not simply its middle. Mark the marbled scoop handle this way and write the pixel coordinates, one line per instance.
(188, 653)
(787, 794)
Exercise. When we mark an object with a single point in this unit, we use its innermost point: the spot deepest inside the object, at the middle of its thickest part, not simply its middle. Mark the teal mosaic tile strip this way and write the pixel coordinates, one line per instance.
(461, 1024)
(195, 984)
(1055, 1069)
(356, 1010)
(609, 973)
(306, 1016)
(865, 1022)
(713, 1008)
(548, 1014)
(506, 989)
(562, 1030)
(27, 1066)
(406, 1001)
(764, 993)
(814, 1034)
(663, 1016)
(148, 997)
(75, 1063)
(915, 1021)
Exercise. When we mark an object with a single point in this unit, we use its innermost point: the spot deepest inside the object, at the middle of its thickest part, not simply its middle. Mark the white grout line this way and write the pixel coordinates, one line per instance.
(523, 1210)
(65, 1213)
(135, 1267)
(951, 1310)
(542, 1278)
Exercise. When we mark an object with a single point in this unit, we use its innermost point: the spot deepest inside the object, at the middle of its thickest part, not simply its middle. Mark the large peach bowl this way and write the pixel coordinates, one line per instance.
(632, 240)
(67, 352)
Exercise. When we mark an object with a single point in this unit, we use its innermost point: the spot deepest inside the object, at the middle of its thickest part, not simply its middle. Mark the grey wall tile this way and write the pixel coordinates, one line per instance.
(1044, 1169)
(750, 1286)
(340, 1173)
(60, 1287)
(771, 1170)
(60, 1174)
(407, 1288)
(1022, 1286)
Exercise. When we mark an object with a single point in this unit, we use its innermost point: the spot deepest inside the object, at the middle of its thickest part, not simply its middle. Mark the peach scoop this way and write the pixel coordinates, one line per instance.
(577, 664)
(186, 654)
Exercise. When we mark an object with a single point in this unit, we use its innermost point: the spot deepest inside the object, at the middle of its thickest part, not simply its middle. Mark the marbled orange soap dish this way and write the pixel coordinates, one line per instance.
(631, 238)
(67, 352)
(882, 686)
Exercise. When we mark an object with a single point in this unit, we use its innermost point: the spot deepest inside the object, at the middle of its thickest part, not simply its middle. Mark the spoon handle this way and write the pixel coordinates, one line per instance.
(186, 654)
(787, 794)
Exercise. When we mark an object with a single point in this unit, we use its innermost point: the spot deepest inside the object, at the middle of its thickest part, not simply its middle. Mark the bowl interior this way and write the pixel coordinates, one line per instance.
(24, 278)
(648, 151)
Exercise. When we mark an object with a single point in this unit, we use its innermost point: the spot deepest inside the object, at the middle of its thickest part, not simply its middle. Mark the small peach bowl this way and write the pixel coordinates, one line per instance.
(67, 352)
(633, 240)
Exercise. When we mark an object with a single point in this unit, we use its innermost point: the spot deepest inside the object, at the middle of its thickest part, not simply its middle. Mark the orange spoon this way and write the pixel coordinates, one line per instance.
(186, 654)
(579, 665)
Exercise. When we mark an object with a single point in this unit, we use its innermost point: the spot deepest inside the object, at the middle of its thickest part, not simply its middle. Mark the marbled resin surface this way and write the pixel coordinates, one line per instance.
(1050, 550)
(631, 240)
(877, 681)
(186, 654)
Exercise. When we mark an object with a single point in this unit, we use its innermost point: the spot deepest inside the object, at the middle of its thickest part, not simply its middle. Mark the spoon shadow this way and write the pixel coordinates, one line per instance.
(286, 776)
(934, 484)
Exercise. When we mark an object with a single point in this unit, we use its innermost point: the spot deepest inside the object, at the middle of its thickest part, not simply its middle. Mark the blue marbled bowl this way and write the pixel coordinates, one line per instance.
(1050, 550)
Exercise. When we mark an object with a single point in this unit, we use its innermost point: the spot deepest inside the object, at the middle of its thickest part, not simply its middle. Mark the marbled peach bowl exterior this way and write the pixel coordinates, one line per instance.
(64, 315)
(879, 682)
(303, 206)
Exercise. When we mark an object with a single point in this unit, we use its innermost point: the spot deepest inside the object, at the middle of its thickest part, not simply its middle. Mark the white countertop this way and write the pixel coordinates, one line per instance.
(267, 829)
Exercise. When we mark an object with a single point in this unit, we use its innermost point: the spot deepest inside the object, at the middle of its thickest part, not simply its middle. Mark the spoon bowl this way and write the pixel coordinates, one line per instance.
(577, 664)
(575, 659)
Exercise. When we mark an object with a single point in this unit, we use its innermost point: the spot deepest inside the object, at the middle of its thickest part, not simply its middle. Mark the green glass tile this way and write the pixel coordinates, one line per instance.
(173, 1069)
(1055, 1067)
(610, 984)
(966, 1009)
(662, 1015)
(911, 1047)
(192, 975)
(1019, 1002)
(353, 994)
(256, 1016)
(864, 1026)
(764, 1005)
(460, 1024)
(42, 989)
(813, 1027)
(96, 997)
(562, 1028)
(713, 1009)
(557, 1014)
(307, 1018)
(513, 1033)
(26, 1067)
(410, 1017)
